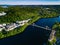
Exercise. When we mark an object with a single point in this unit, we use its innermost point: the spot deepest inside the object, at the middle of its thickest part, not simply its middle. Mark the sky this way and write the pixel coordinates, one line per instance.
(30, 2)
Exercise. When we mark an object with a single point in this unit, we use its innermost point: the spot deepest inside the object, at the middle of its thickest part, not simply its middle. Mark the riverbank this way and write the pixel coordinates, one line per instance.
(16, 13)
(56, 27)
(19, 29)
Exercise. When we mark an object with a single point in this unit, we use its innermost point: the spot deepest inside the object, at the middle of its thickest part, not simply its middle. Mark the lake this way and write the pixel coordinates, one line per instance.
(32, 35)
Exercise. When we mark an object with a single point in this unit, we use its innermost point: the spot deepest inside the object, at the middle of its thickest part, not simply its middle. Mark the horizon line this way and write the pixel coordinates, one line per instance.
(29, 3)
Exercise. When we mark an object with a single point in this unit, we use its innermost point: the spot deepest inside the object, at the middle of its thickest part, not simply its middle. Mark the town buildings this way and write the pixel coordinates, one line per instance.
(11, 26)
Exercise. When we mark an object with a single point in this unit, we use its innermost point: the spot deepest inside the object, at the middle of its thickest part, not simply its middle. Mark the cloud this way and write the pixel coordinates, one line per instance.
(29, 0)
(30, 3)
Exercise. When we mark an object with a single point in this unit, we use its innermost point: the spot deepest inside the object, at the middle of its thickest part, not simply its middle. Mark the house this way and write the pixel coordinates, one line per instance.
(4, 24)
(2, 13)
(24, 21)
(47, 8)
(11, 26)
(1, 25)
(1, 28)
(8, 27)
(21, 24)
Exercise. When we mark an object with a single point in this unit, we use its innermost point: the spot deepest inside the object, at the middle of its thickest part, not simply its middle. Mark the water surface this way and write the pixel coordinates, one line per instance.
(32, 35)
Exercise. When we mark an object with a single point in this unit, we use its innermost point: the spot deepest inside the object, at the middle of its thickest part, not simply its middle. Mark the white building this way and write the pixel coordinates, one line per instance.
(21, 24)
(10, 26)
(24, 21)
(47, 8)
(2, 25)
(2, 13)
(1, 28)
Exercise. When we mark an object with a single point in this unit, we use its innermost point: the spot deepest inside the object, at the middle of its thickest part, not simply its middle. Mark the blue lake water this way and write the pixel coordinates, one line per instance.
(48, 21)
(32, 35)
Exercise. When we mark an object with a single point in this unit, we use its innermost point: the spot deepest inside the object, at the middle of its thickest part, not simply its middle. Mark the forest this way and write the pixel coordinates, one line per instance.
(17, 13)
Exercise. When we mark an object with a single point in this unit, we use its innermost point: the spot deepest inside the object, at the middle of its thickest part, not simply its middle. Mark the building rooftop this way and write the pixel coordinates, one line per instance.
(2, 13)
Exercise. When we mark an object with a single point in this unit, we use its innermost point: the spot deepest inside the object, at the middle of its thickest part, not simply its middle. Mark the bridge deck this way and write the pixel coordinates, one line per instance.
(46, 28)
(52, 34)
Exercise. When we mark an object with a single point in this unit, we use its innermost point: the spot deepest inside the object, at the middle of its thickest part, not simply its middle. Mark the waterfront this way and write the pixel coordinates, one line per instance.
(32, 35)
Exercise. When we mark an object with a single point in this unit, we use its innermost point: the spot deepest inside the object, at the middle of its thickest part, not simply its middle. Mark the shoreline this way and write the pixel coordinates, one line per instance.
(22, 29)
(56, 28)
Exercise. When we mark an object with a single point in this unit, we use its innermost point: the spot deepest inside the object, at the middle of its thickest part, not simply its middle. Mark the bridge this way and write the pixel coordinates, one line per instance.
(46, 28)
(52, 34)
